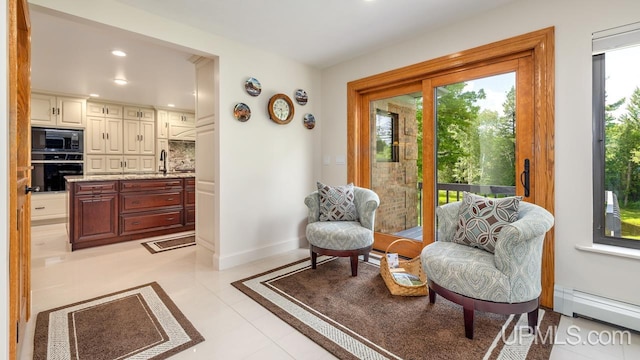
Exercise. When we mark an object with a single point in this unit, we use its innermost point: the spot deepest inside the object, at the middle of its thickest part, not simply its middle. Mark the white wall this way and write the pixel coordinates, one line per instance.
(574, 22)
(265, 169)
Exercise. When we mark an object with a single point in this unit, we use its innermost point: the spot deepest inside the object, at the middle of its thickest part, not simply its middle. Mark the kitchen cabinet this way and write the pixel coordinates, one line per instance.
(139, 113)
(117, 164)
(49, 110)
(106, 212)
(181, 117)
(162, 124)
(108, 110)
(48, 206)
(190, 201)
(93, 212)
(104, 135)
(182, 126)
(139, 137)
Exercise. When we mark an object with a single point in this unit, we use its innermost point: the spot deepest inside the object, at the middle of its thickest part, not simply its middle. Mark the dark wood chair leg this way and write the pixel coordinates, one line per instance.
(354, 265)
(468, 309)
(366, 257)
(314, 258)
(532, 316)
(432, 296)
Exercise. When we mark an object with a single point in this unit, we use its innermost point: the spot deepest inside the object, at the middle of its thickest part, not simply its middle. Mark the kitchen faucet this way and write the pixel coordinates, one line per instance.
(163, 158)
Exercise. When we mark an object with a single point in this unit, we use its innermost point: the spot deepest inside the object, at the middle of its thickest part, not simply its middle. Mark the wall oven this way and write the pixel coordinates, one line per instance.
(55, 153)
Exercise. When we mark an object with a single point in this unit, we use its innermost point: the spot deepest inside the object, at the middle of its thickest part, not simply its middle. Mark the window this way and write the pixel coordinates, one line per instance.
(387, 140)
(616, 137)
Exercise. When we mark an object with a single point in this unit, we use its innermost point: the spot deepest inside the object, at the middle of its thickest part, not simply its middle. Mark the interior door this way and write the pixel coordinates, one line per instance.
(19, 173)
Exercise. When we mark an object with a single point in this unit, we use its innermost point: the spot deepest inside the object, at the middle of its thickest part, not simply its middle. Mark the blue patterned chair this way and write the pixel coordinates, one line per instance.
(342, 238)
(506, 281)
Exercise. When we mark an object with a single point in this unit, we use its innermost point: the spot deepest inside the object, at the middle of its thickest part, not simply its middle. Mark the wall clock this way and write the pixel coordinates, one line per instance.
(280, 109)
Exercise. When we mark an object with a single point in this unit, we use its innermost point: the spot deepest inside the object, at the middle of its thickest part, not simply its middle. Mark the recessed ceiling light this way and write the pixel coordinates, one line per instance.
(120, 81)
(171, 105)
(94, 95)
(119, 53)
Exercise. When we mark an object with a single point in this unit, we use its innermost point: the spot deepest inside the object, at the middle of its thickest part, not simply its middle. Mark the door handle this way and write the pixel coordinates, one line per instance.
(524, 178)
(28, 189)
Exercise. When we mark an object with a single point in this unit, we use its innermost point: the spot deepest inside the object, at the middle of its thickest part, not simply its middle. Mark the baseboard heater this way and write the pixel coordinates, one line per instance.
(571, 302)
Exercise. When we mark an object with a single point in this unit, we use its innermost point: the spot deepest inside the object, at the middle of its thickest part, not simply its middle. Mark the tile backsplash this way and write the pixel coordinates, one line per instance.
(182, 155)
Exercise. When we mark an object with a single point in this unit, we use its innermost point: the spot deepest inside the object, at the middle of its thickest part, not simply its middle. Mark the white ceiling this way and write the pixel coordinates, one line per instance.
(71, 55)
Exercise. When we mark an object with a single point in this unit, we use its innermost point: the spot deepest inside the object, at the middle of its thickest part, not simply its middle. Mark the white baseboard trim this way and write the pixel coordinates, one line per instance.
(572, 302)
(243, 257)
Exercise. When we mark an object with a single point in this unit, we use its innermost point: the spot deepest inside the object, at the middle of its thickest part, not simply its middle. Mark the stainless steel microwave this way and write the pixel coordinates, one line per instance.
(56, 140)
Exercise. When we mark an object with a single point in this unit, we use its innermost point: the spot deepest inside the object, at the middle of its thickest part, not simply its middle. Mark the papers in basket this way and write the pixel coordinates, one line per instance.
(404, 278)
(393, 261)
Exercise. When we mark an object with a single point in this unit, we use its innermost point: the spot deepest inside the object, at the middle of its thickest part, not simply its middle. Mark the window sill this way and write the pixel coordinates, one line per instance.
(611, 250)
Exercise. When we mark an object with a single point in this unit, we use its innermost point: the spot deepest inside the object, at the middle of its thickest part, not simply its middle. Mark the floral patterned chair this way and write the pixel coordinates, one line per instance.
(340, 222)
(488, 256)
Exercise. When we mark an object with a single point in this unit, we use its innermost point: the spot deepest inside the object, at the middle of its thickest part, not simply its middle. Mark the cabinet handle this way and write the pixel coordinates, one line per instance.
(40, 208)
(53, 111)
(135, 223)
(107, 110)
(169, 219)
(135, 202)
(125, 164)
(170, 199)
(141, 137)
(103, 135)
(58, 112)
(121, 164)
(107, 136)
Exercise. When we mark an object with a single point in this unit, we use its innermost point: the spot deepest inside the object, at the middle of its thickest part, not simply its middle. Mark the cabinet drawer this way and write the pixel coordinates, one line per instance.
(44, 206)
(190, 182)
(135, 201)
(131, 224)
(150, 185)
(97, 187)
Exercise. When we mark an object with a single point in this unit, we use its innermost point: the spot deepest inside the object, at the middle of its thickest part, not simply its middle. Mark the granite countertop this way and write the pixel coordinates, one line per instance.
(111, 177)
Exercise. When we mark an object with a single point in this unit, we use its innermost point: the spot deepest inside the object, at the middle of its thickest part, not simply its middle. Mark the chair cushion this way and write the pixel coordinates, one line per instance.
(337, 203)
(467, 271)
(339, 235)
(480, 219)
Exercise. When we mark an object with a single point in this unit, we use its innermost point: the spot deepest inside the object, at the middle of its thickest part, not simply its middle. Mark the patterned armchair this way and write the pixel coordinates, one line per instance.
(506, 281)
(342, 238)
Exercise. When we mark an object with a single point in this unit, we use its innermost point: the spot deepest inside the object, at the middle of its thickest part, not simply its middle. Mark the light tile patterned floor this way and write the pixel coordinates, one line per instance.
(234, 326)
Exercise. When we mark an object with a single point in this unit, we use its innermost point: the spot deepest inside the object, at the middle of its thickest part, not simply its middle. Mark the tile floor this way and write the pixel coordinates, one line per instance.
(234, 326)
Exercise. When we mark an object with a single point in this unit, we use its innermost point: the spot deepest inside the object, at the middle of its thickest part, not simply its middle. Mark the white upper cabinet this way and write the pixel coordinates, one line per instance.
(138, 113)
(182, 125)
(58, 111)
(105, 110)
(163, 124)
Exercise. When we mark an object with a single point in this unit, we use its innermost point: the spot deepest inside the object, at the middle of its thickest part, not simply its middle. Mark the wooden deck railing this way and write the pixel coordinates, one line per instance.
(456, 190)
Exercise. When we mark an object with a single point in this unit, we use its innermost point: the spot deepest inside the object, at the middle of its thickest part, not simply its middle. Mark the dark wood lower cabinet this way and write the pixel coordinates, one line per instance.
(107, 212)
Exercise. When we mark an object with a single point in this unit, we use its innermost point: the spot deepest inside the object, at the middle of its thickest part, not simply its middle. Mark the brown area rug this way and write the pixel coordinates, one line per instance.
(357, 317)
(157, 246)
(140, 322)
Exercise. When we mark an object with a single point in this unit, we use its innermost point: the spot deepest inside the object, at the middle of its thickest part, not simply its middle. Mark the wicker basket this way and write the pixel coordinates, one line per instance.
(413, 266)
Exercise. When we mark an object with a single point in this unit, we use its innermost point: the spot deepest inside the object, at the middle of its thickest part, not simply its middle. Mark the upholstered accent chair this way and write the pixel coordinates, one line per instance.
(352, 238)
(507, 281)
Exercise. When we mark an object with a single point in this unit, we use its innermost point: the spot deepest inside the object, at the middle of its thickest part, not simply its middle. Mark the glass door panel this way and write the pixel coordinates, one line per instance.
(396, 166)
(476, 131)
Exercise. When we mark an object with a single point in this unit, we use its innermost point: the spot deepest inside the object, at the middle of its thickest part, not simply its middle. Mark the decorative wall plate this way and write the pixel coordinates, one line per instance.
(280, 109)
(242, 112)
(253, 87)
(309, 121)
(301, 97)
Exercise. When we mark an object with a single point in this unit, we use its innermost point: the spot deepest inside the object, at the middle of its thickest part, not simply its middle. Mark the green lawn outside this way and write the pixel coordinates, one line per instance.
(630, 223)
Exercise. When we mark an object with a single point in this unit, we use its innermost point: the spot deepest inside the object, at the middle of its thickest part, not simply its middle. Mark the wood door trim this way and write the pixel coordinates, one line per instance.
(540, 44)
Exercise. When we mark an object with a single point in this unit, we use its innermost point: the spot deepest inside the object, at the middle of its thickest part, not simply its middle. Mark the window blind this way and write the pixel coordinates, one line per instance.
(615, 38)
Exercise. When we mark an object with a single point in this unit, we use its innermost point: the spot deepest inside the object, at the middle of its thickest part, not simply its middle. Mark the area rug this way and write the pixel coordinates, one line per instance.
(357, 317)
(141, 323)
(157, 246)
